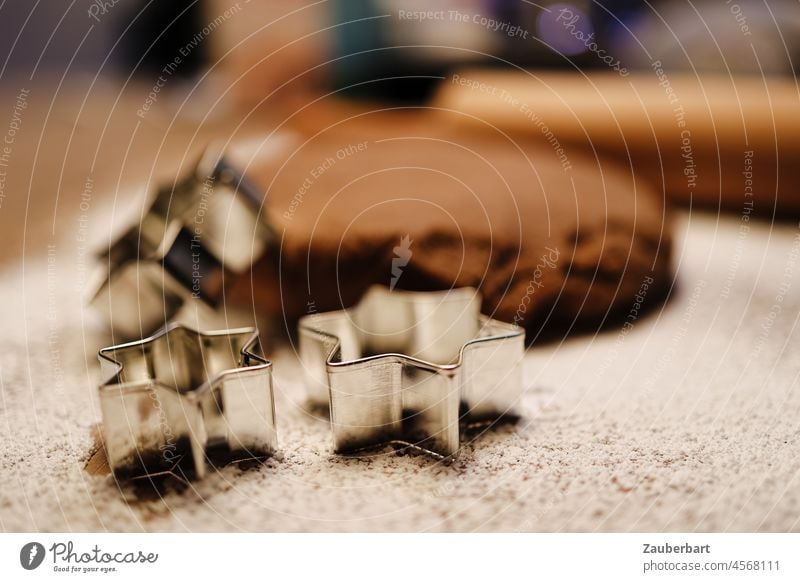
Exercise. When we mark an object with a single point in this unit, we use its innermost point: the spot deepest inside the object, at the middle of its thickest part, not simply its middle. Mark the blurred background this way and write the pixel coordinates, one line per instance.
(120, 93)
(357, 42)
(106, 99)
(247, 65)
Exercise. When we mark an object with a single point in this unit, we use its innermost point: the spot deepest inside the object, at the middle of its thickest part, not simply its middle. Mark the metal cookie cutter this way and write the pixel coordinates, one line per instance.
(185, 394)
(406, 367)
(194, 234)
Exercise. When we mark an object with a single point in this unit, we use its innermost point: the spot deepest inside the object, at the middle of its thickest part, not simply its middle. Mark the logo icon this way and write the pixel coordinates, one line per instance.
(31, 555)
(402, 253)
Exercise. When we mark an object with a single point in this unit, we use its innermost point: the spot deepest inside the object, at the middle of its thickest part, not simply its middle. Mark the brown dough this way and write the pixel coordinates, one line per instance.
(551, 248)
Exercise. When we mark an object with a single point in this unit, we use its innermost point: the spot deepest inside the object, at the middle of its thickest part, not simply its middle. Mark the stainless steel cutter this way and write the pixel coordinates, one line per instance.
(185, 394)
(409, 368)
(192, 237)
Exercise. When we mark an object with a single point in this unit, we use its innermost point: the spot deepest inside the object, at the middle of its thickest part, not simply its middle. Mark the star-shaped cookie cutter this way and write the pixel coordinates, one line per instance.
(192, 236)
(408, 367)
(186, 394)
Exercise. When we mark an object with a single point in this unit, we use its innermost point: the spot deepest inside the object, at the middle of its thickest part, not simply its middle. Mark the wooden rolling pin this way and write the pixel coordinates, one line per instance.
(715, 142)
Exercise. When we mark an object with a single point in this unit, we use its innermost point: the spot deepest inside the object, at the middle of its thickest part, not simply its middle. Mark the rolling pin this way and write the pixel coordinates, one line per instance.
(716, 142)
